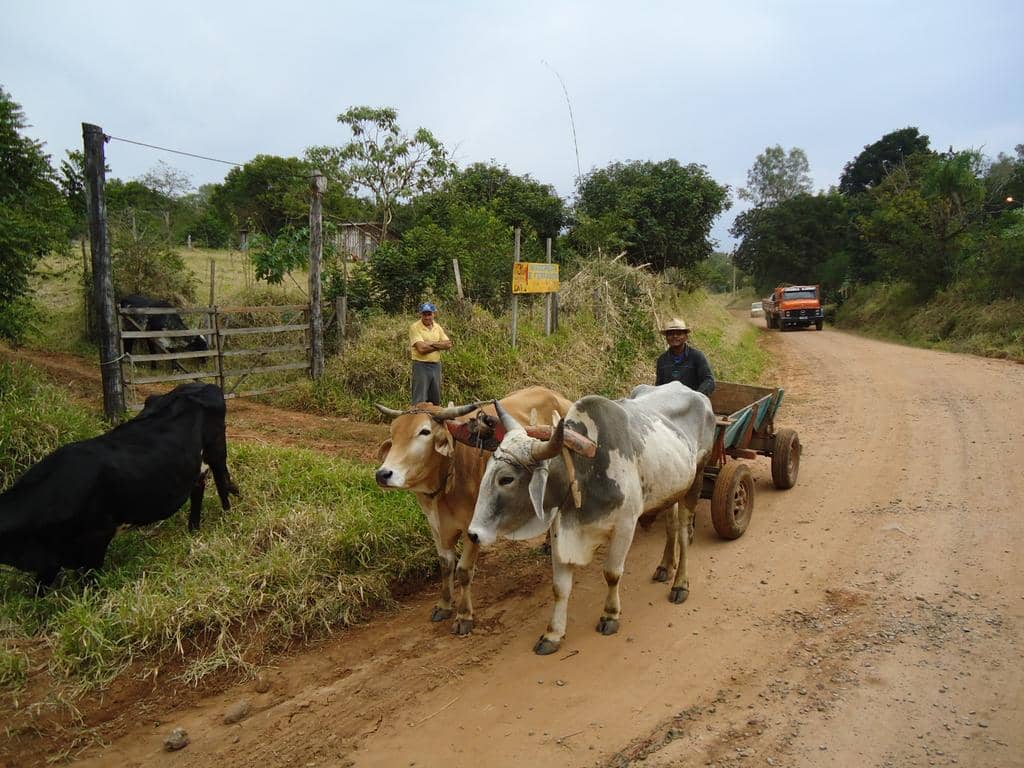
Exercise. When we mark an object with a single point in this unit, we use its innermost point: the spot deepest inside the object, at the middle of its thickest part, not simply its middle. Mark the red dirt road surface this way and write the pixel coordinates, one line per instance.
(870, 616)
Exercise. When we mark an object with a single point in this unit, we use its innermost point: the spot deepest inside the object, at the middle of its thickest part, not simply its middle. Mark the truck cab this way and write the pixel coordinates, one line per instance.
(794, 306)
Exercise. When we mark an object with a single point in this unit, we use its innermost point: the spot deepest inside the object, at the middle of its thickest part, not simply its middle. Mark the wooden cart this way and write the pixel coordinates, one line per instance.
(745, 417)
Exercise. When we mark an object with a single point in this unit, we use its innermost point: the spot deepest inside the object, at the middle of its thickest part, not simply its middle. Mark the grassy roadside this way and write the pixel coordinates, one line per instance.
(954, 320)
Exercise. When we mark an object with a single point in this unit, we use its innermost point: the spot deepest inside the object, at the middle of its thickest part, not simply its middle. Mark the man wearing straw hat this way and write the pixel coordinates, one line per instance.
(682, 362)
(426, 341)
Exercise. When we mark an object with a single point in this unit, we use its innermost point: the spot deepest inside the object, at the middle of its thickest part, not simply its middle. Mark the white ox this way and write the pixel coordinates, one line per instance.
(651, 448)
(422, 456)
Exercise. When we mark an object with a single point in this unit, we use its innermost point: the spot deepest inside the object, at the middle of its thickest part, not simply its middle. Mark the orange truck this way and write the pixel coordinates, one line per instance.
(794, 306)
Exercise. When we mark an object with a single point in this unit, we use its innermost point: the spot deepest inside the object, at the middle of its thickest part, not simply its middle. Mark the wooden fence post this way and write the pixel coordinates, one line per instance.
(316, 251)
(515, 297)
(220, 346)
(102, 271)
(213, 300)
(458, 278)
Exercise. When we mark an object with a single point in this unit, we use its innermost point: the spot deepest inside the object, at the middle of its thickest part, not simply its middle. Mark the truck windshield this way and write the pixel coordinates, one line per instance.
(801, 293)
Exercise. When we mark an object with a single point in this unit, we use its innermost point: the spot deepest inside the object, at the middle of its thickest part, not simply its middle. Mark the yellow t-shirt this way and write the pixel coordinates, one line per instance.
(419, 332)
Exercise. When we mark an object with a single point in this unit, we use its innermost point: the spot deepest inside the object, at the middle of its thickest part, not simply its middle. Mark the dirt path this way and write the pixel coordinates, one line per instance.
(871, 616)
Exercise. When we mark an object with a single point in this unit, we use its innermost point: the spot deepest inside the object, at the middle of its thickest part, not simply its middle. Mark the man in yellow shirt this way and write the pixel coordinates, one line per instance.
(426, 341)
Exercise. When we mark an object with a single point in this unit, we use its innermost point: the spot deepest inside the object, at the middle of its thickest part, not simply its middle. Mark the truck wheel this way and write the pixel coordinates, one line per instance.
(785, 459)
(818, 324)
(732, 502)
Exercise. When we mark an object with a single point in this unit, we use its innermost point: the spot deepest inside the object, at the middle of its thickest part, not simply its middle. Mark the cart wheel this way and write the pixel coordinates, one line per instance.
(818, 324)
(785, 459)
(732, 502)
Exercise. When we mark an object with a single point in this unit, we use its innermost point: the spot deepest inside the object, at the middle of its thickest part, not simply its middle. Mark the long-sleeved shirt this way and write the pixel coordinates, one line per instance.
(691, 368)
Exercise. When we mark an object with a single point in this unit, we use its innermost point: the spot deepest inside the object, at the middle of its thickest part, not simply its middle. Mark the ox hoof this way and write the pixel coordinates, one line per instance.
(462, 627)
(678, 595)
(661, 574)
(608, 626)
(441, 614)
(545, 647)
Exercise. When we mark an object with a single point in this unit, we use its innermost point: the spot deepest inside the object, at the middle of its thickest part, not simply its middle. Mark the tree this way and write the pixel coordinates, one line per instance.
(922, 216)
(72, 185)
(33, 215)
(804, 239)
(662, 211)
(776, 176)
(167, 181)
(268, 193)
(871, 166)
(519, 201)
(381, 159)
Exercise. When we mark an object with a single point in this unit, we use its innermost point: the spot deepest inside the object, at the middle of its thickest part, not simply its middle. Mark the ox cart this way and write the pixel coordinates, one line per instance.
(745, 428)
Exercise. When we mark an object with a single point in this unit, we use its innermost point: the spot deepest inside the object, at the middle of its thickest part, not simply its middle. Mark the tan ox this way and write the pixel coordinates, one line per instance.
(421, 456)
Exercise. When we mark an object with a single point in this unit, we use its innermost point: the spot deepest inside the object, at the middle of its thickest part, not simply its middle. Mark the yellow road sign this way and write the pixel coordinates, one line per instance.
(534, 278)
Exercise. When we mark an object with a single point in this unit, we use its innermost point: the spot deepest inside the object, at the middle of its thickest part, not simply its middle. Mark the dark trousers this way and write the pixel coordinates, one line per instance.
(426, 382)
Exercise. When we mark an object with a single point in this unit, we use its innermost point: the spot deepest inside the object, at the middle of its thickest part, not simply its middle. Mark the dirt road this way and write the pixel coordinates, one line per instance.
(871, 616)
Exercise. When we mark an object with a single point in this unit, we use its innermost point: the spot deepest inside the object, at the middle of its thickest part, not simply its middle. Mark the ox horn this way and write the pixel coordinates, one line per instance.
(549, 449)
(454, 411)
(507, 420)
(388, 411)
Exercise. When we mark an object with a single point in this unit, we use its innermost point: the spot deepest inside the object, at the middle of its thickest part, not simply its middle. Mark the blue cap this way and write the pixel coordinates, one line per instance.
(427, 307)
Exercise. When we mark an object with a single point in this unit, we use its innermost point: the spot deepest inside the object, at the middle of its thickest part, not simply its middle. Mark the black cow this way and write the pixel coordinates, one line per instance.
(66, 509)
(168, 322)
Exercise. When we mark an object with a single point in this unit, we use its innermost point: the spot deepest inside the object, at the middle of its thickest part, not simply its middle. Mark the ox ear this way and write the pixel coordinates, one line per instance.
(533, 417)
(383, 448)
(444, 443)
(538, 484)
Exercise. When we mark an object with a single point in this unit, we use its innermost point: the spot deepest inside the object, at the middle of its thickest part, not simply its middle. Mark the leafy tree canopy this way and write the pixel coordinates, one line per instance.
(516, 200)
(383, 160)
(801, 240)
(662, 212)
(266, 194)
(871, 166)
(921, 216)
(777, 175)
(33, 215)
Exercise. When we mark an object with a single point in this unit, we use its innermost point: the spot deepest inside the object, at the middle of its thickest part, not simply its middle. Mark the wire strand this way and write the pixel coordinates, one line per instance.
(175, 151)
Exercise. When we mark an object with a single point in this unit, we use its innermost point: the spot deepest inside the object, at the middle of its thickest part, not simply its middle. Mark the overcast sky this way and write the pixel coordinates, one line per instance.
(701, 82)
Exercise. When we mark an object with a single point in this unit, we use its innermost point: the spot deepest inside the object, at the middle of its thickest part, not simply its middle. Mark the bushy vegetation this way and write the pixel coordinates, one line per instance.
(956, 319)
(606, 344)
(33, 216)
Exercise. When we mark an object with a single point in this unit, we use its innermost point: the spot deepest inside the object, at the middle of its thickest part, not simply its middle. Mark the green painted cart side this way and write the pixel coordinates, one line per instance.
(745, 429)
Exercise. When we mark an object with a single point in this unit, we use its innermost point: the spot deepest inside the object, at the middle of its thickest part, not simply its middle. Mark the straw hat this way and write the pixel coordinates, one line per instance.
(675, 324)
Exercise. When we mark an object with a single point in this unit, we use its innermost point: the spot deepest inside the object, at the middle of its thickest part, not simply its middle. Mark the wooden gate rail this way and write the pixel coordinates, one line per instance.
(218, 336)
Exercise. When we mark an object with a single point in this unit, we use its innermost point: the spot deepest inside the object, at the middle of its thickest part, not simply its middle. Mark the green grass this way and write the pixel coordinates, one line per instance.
(36, 417)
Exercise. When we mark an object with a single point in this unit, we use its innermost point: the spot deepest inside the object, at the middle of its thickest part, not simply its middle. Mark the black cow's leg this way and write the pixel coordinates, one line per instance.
(195, 511)
(216, 456)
